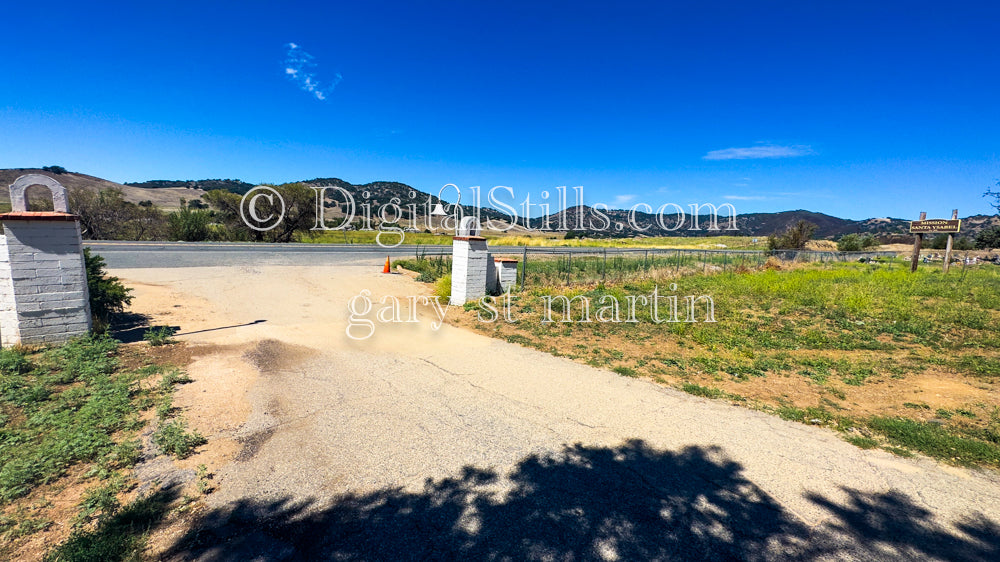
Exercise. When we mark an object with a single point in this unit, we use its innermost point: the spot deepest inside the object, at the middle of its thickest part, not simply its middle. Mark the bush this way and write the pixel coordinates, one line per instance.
(939, 242)
(856, 242)
(188, 225)
(794, 238)
(108, 295)
(106, 215)
(443, 287)
(13, 362)
(55, 169)
(174, 438)
(964, 244)
(988, 238)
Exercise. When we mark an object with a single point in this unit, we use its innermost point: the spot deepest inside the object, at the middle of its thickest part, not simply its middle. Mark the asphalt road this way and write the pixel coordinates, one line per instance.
(131, 255)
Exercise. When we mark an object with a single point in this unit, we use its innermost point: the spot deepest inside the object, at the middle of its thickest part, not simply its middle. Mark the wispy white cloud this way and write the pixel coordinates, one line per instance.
(298, 65)
(623, 199)
(760, 151)
(744, 197)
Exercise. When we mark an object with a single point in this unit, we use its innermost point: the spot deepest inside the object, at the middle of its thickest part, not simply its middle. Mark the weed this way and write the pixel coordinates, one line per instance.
(160, 335)
(626, 371)
(862, 441)
(704, 391)
(121, 536)
(203, 480)
(13, 362)
(173, 437)
(933, 440)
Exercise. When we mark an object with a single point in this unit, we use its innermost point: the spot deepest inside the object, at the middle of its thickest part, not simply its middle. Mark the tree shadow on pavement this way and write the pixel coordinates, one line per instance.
(630, 502)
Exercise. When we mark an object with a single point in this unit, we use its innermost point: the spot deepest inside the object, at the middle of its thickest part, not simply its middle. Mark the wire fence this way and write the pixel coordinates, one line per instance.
(569, 266)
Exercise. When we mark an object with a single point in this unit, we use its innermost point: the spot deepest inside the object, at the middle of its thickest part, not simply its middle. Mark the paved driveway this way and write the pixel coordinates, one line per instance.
(419, 443)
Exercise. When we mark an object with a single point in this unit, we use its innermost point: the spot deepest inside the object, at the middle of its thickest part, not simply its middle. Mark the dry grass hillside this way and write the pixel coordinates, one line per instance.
(164, 198)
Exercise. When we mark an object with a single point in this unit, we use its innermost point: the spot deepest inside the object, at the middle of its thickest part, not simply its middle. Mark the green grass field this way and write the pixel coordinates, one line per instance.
(75, 408)
(841, 344)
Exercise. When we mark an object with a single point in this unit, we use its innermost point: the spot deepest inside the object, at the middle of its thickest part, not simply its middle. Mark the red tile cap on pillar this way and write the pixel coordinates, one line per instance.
(38, 216)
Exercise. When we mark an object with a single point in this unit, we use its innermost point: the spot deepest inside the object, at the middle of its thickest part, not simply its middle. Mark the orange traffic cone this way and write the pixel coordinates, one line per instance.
(386, 268)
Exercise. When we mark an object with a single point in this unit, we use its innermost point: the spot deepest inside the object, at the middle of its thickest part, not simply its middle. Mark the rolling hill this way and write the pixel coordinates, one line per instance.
(167, 194)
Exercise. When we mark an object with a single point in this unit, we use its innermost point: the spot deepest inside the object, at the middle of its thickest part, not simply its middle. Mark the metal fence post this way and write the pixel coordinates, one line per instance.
(524, 266)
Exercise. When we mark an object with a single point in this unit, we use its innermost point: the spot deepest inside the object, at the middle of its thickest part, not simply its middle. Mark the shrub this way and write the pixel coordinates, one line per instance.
(856, 242)
(174, 438)
(939, 242)
(188, 225)
(13, 362)
(443, 286)
(108, 295)
(55, 169)
(793, 238)
(964, 244)
(989, 238)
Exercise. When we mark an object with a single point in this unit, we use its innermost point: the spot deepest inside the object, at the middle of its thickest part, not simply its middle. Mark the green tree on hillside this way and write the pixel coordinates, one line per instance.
(106, 215)
(989, 238)
(189, 225)
(793, 238)
(856, 242)
(299, 217)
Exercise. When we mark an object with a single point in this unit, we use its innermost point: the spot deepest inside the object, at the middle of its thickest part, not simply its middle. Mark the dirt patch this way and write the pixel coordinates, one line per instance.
(252, 444)
(272, 356)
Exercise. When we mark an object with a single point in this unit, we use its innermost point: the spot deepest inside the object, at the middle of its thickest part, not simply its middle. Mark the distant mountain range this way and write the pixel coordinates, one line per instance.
(168, 193)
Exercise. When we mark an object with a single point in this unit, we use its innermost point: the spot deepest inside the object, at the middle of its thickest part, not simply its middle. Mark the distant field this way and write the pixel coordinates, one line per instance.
(547, 239)
(906, 362)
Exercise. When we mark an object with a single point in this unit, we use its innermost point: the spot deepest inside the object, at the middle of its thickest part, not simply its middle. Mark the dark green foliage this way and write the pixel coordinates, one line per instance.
(188, 225)
(963, 244)
(856, 242)
(173, 437)
(939, 242)
(989, 238)
(705, 391)
(159, 335)
(65, 424)
(794, 238)
(108, 295)
(119, 535)
(234, 186)
(13, 362)
(55, 169)
(106, 215)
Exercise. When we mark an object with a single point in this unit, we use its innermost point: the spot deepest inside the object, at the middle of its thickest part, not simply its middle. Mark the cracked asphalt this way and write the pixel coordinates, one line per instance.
(328, 421)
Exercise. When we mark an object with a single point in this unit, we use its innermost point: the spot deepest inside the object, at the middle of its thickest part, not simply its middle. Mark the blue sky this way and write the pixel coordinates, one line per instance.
(845, 108)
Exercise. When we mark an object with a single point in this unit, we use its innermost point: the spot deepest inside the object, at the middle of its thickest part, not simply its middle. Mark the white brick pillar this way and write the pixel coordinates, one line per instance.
(468, 268)
(43, 279)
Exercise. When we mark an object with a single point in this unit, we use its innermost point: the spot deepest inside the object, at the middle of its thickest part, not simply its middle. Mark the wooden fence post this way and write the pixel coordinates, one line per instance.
(917, 240)
(951, 239)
